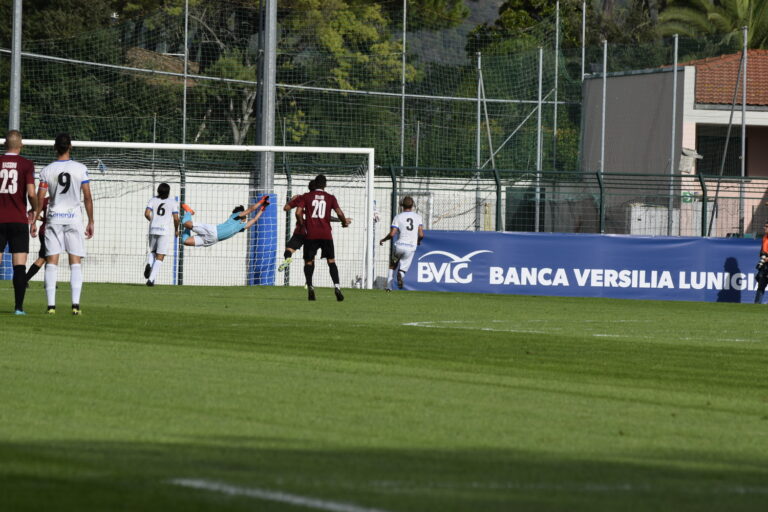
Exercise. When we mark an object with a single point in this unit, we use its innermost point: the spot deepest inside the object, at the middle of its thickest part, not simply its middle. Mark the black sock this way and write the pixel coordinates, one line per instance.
(334, 270)
(308, 271)
(33, 269)
(19, 284)
(287, 254)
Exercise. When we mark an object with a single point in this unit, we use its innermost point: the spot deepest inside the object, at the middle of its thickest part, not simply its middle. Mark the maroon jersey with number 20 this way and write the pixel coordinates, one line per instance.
(318, 206)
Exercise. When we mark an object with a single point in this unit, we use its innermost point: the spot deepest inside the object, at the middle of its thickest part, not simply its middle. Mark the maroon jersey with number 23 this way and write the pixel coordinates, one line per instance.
(16, 172)
(318, 206)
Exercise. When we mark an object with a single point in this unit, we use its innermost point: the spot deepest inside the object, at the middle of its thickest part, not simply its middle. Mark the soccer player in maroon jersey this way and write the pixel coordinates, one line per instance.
(299, 232)
(316, 210)
(17, 184)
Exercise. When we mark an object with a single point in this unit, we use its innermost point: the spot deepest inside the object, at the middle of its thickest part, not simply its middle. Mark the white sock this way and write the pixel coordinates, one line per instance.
(76, 282)
(390, 276)
(155, 270)
(150, 259)
(51, 272)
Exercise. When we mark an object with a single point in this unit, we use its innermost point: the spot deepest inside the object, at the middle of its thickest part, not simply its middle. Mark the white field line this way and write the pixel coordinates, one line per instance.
(472, 326)
(264, 494)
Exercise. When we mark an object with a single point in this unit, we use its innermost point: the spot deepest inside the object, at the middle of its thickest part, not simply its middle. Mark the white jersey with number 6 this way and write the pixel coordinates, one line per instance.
(407, 224)
(162, 215)
(63, 179)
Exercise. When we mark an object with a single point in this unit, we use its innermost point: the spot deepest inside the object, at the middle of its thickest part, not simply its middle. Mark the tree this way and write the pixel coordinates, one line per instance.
(720, 18)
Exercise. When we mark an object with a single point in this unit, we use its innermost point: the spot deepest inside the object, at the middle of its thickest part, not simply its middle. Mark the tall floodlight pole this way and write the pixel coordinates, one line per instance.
(186, 72)
(672, 145)
(269, 77)
(538, 141)
(402, 89)
(602, 123)
(477, 139)
(743, 132)
(583, 36)
(557, 62)
(14, 111)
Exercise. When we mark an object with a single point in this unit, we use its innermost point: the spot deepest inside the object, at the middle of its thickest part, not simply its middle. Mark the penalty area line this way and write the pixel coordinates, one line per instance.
(265, 494)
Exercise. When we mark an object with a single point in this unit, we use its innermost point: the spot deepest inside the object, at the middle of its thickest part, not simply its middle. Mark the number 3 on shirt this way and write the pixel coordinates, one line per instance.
(318, 208)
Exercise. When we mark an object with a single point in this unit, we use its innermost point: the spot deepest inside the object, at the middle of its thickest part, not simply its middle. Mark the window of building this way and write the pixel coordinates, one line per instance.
(710, 144)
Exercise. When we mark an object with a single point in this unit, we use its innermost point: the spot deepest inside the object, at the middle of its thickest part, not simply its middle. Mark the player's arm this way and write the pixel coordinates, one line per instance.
(342, 218)
(336, 219)
(176, 222)
(290, 204)
(421, 235)
(42, 189)
(390, 235)
(31, 196)
(299, 217)
(148, 213)
(88, 200)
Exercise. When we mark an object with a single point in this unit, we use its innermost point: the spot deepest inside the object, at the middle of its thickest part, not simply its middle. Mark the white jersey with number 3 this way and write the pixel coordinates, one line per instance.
(407, 224)
(64, 179)
(162, 215)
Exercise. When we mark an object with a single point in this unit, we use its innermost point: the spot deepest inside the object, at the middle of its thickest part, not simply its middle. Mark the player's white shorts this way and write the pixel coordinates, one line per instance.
(67, 238)
(404, 254)
(206, 233)
(161, 244)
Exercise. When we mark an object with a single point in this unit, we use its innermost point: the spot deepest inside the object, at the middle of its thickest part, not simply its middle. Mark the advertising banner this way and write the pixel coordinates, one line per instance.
(579, 265)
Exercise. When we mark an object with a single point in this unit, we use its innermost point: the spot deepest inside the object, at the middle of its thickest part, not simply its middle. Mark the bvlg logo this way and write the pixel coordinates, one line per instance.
(454, 271)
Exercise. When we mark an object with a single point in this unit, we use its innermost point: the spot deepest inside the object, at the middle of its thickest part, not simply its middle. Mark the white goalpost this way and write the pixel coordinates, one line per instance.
(213, 179)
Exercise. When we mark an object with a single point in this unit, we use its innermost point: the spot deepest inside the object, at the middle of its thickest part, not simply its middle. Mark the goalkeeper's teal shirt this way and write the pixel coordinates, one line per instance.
(232, 226)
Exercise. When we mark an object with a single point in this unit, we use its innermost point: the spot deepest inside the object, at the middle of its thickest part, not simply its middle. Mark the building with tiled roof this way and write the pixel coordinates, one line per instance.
(639, 120)
(716, 79)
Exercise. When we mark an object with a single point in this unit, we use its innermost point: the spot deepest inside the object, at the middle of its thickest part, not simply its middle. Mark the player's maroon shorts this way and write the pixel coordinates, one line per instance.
(311, 247)
(16, 235)
(296, 241)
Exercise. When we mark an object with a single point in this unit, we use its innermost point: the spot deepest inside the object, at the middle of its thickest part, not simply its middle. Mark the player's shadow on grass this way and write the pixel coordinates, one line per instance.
(731, 267)
(98, 475)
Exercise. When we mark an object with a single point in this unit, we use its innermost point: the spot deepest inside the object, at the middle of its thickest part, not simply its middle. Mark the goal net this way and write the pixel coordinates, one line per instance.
(214, 179)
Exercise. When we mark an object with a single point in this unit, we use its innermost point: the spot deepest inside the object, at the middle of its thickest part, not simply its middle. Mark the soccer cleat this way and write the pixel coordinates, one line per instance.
(339, 296)
(284, 264)
(400, 280)
(310, 292)
(187, 208)
(51, 310)
(147, 270)
(76, 310)
(387, 289)
(150, 283)
(19, 312)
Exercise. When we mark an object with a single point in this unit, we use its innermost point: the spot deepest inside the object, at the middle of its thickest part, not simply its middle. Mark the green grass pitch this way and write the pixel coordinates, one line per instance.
(202, 399)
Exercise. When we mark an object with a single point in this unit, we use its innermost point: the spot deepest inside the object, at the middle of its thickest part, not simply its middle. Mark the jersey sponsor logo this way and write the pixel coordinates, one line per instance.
(454, 271)
(62, 215)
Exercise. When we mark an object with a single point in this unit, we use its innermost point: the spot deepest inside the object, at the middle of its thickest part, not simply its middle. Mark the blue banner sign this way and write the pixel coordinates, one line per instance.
(579, 265)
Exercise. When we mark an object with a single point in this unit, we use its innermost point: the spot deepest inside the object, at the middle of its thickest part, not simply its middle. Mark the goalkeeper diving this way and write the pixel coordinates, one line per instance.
(196, 234)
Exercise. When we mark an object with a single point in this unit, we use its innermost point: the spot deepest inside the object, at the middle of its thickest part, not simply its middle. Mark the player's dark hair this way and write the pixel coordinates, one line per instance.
(63, 143)
(239, 209)
(163, 190)
(320, 181)
(312, 186)
(407, 202)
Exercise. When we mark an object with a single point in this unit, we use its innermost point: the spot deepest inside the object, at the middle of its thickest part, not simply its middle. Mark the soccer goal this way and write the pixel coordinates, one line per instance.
(214, 179)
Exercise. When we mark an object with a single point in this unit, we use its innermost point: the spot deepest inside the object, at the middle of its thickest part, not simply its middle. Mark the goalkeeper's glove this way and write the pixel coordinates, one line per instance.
(761, 263)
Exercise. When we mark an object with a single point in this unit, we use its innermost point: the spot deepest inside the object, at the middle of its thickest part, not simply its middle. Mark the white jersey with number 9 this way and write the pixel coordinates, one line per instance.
(64, 179)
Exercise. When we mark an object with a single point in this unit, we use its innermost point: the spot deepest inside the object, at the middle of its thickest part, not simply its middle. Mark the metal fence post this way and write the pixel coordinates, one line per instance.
(704, 201)
(601, 206)
(499, 221)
